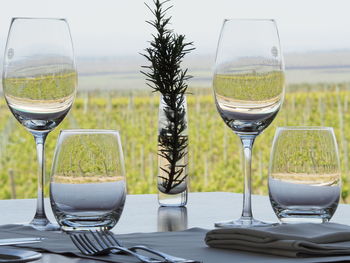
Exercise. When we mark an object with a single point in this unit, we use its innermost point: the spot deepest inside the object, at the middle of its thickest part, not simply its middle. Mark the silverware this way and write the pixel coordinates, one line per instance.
(90, 248)
(107, 239)
(15, 241)
(10, 255)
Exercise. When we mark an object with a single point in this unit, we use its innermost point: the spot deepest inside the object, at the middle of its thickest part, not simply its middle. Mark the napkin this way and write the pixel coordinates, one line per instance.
(290, 240)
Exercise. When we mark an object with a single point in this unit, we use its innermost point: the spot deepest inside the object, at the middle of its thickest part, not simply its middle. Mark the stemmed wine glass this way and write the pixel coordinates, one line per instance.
(248, 87)
(39, 82)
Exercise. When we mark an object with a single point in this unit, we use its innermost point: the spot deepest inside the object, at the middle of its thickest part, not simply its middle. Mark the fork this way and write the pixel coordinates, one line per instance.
(89, 248)
(108, 240)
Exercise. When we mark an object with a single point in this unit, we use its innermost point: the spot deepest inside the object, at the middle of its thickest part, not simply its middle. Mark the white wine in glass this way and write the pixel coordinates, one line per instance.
(248, 87)
(39, 82)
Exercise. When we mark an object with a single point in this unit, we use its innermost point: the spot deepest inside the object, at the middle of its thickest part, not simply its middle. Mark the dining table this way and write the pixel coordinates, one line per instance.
(142, 214)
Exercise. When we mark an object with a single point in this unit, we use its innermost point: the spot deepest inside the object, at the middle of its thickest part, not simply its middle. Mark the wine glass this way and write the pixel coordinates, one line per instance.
(248, 87)
(91, 163)
(304, 174)
(39, 83)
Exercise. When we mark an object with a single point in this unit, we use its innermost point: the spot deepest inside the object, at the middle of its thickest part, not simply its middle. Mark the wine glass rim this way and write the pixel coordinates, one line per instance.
(38, 18)
(250, 19)
(306, 128)
(89, 131)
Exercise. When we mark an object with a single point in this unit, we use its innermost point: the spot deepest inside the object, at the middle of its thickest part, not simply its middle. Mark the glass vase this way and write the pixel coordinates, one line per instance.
(172, 178)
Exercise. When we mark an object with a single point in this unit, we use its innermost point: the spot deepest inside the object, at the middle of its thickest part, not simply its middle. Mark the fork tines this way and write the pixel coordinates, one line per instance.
(105, 238)
(84, 244)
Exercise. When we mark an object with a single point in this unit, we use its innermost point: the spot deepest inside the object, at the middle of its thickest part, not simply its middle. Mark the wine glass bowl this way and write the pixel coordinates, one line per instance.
(39, 84)
(39, 78)
(248, 75)
(248, 88)
(248, 112)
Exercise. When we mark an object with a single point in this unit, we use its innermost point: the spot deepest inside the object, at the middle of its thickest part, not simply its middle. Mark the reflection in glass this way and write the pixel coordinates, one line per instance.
(304, 174)
(172, 219)
(88, 187)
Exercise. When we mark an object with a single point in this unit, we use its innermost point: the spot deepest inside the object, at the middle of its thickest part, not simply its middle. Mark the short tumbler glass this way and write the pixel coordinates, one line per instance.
(88, 186)
(304, 174)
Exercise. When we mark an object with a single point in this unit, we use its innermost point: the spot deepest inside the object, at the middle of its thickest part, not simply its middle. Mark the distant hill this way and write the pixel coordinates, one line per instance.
(124, 72)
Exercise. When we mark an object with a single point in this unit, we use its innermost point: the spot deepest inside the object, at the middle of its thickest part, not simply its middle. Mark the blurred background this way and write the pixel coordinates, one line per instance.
(108, 37)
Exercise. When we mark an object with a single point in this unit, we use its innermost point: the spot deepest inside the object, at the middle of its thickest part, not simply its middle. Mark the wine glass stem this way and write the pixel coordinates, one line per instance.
(40, 218)
(247, 142)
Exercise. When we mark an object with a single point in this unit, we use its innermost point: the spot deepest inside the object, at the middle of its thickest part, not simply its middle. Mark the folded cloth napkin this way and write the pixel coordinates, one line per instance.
(290, 240)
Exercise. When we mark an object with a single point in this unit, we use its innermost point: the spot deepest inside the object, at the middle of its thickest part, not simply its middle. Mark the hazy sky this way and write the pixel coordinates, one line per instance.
(117, 27)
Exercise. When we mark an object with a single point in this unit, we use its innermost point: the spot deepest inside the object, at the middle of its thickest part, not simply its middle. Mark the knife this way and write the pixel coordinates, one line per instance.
(15, 241)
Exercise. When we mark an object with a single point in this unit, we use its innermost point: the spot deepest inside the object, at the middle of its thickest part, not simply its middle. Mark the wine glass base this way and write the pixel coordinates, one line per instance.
(49, 227)
(243, 222)
(43, 224)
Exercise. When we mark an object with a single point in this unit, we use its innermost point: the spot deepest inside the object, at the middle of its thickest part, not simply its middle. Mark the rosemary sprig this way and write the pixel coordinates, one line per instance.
(166, 76)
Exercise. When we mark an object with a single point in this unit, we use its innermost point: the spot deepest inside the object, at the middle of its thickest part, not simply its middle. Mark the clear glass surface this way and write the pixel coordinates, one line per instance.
(304, 174)
(248, 87)
(172, 186)
(173, 200)
(88, 186)
(39, 83)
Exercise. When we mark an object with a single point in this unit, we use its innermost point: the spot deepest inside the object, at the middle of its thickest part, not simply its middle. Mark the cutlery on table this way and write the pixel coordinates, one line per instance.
(10, 255)
(90, 248)
(24, 240)
(107, 239)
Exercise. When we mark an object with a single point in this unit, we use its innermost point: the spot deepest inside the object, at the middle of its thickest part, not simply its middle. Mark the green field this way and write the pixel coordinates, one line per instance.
(214, 151)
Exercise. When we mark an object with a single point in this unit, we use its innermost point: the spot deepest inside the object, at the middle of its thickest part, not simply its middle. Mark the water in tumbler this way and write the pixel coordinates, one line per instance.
(294, 199)
(73, 204)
